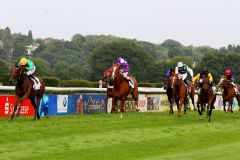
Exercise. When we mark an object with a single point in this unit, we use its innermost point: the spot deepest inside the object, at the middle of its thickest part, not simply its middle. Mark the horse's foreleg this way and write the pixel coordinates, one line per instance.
(122, 105)
(231, 106)
(14, 109)
(114, 102)
(199, 110)
(224, 106)
(179, 106)
(171, 106)
(210, 110)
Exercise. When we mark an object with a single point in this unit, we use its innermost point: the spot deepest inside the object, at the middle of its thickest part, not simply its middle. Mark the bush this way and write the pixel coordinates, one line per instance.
(76, 83)
(158, 85)
(51, 81)
(5, 80)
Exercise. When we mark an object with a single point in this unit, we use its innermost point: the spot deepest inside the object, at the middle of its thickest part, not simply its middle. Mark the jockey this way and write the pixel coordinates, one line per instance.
(230, 78)
(29, 67)
(169, 71)
(182, 69)
(203, 74)
(124, 69)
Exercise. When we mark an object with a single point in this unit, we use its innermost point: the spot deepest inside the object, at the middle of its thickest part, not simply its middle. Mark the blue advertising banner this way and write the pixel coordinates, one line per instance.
(49, 102)
(89, 103)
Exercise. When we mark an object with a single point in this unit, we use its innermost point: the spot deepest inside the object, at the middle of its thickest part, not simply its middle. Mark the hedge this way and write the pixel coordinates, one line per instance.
(51, 81)
(76, 83)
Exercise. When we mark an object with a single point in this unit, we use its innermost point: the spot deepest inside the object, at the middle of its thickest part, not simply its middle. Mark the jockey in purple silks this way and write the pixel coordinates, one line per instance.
(124, 69)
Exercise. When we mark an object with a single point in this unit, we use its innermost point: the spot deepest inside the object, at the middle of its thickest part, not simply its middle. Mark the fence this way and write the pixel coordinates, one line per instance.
(150, 99)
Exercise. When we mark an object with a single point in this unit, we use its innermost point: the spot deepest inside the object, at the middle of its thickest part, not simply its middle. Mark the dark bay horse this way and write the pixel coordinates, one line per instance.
(206, 96)
(180, 93)
(228, 94)
(24, 90)
(121, 88)
(169, 89)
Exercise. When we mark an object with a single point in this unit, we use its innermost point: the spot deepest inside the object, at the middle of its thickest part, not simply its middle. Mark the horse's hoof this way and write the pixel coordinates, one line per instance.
(10, 120)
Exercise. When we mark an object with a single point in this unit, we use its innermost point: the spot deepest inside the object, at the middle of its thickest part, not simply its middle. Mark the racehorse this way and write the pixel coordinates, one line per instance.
(180, 93)
(121, 88)
(206, 96)
(169, 89)
(24, 90)
(228, 94)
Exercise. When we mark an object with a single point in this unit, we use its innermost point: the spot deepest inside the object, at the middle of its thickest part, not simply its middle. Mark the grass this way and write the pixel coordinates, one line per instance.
(142, 136)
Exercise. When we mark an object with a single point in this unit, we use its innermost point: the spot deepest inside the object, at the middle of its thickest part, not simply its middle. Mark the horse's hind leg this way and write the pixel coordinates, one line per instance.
(37, 106)
(34, 106)
(135, 97)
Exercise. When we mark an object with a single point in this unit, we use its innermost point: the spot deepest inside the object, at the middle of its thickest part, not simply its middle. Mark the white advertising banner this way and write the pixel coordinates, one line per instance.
(142, 102)
(62, 103)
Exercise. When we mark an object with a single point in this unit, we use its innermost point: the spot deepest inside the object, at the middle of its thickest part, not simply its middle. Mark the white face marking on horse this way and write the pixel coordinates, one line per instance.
(113, 72)
(220, 81)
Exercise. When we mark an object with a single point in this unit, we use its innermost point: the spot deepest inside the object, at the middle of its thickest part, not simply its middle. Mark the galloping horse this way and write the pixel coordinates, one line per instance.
(121, 88)
(228, 94)
(169, 89)
(24, 90)
(206, 96)
(180, 93)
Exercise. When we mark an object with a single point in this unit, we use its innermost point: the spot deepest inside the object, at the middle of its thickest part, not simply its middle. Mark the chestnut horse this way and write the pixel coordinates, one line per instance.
(121, 88)
(228, 94)
(180, 93)
(24, 90)
(206, 96)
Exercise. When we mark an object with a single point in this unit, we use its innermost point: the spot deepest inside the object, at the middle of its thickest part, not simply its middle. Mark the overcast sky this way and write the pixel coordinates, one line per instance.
(215, 23)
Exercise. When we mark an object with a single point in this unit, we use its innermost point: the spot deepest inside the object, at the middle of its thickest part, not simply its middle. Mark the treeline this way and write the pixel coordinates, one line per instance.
(86, 57)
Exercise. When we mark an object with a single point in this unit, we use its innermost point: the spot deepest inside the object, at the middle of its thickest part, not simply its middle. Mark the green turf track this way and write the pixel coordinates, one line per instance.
(138, 136)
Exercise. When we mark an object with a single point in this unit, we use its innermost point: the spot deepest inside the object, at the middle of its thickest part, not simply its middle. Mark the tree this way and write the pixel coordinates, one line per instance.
(30, 37)
(4, 69)
(175, 51)
(103, 57)
(169, 43)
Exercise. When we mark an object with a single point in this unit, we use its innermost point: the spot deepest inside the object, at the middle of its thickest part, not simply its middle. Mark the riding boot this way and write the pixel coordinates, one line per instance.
(32, 77)
(235, 87)
(130, 82)
(188, 88)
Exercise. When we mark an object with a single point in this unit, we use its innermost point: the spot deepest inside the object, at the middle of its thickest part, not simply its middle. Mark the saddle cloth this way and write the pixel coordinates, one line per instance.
(36, 86)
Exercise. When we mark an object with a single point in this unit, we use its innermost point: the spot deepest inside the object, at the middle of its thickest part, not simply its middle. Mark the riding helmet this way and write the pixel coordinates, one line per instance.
(179, 64)
(23, 61)
(204, 70)
(227, 72)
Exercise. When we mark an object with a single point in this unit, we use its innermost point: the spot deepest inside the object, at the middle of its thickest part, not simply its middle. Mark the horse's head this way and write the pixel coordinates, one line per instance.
(114, 71)
(15, 73)
(166, 83)
(205, 84)
(173, 80)
(223, 81)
